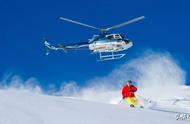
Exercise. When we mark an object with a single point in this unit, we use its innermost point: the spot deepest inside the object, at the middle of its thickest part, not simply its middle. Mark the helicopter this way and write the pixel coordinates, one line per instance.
(108, 45)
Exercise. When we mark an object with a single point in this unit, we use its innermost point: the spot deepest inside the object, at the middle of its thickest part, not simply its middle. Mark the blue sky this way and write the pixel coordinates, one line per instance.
(23, 25)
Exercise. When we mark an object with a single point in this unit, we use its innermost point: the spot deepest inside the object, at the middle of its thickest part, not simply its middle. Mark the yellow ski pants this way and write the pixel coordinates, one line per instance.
(132, 100)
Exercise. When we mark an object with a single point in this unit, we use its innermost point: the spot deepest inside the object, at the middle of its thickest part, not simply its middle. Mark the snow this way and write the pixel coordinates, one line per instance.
(20, 106)
(161, 90)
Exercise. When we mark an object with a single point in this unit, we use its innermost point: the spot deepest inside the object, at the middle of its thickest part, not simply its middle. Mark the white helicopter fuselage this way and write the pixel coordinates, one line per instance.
(115, 46)
(109, 43)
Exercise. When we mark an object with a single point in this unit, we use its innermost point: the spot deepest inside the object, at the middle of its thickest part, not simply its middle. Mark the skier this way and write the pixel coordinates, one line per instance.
(128, 93)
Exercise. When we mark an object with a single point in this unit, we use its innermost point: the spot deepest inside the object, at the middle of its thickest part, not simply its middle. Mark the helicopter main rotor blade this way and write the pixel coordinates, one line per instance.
(79, 23)
(125, 23)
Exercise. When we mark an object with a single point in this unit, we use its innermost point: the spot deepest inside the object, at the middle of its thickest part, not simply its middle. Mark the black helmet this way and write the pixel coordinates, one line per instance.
(129, 81)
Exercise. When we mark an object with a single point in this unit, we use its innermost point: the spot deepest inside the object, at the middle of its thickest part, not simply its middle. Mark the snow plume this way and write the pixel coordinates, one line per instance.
(15, 82)
(157, 69)
(149, 69)
(156, 74)
(69, 89)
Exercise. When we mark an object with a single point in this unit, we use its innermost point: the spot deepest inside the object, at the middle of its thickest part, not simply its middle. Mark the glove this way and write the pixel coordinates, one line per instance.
(124, 96)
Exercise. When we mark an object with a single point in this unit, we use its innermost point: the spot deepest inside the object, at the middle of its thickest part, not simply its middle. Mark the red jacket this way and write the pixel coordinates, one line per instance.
(128, 91)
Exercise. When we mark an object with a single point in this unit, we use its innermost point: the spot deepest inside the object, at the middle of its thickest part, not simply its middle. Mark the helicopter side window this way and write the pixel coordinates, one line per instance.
(110, 37)
(117, 37)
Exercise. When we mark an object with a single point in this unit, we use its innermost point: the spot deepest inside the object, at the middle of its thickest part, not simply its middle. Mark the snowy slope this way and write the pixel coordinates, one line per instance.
(161, 89)
(25, 107)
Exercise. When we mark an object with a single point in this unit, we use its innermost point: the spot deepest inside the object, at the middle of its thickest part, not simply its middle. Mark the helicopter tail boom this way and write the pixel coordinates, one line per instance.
(51, 47)
(65, 48)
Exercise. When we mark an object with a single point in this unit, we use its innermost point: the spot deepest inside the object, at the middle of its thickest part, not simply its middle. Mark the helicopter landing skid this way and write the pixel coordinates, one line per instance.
(110, 56)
